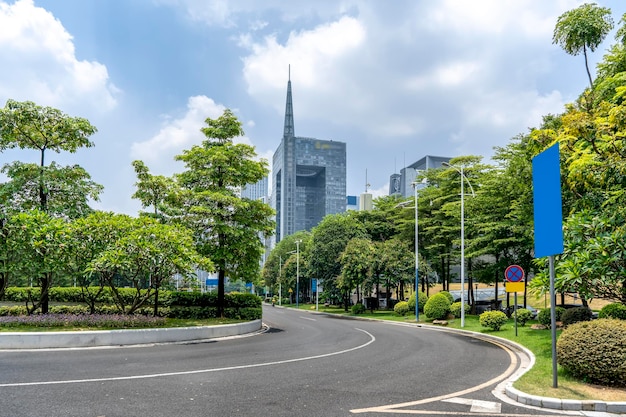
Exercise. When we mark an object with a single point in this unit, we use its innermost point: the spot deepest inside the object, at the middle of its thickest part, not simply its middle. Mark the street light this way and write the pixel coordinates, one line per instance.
(460, 171)
(417, 262)
(297, 270)
(280, 280)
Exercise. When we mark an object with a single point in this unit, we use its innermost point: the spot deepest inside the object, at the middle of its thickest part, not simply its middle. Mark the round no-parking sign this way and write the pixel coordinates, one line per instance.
(514, 273)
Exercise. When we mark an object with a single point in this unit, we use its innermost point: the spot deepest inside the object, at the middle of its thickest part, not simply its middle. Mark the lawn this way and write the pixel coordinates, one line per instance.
(537, 381)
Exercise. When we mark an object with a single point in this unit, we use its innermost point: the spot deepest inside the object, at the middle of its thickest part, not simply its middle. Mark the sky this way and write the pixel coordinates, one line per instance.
(395, 80)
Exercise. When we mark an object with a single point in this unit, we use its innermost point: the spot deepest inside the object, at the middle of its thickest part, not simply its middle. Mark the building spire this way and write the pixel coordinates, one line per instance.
(289, 129)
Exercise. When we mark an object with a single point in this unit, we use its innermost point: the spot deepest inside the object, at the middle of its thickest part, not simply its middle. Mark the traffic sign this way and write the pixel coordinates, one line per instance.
(514, 273)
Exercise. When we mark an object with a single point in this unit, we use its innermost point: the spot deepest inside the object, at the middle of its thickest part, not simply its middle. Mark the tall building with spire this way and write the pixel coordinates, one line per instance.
(309, 178)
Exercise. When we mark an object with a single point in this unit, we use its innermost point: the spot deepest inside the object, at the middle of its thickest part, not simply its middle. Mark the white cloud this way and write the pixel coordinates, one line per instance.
(40, 64)
(178, 134)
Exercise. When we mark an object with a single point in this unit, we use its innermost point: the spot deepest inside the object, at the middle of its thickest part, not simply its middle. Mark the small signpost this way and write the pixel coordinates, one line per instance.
(514, 276)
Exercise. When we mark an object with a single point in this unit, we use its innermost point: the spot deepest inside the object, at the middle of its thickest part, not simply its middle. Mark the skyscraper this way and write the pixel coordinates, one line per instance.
(309, 178)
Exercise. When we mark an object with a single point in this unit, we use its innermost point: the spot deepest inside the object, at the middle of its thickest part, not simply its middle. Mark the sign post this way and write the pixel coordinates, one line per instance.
(548, 217)
(514, 276)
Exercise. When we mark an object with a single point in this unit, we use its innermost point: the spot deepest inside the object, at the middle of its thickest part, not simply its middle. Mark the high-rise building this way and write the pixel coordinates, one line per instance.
(257, 191)
(402, 183)
(309, 178)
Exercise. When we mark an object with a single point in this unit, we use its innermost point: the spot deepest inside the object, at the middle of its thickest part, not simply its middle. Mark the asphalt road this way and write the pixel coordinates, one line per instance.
(306, 364)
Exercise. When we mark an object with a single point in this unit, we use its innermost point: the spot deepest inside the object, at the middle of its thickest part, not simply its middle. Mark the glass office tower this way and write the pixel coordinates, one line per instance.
(309, 178)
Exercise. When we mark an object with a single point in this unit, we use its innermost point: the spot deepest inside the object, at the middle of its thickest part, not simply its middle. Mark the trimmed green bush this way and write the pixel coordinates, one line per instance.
(68, 310)
(493, 319)
(402, 308)
(522, 315)
(455, 309)
(13, 311)
(543, 316)
(595, 351)
(576, 314)
(423, 299)
(447, 294)
(358, 308)
(438, 306)
(613, 311)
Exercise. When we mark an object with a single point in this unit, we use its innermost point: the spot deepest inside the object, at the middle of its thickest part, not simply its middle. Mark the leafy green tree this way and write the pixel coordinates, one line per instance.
(356, 262)
(87, 239)
(39, 241)
(149, 255)
(67, 190)
(329, 239)
(226, 227)
(275, 272)
(152, 190)
(26, 125)
(581, 29)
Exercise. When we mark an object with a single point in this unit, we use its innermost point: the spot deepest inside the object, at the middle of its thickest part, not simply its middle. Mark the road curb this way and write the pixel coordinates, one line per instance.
(100, 338)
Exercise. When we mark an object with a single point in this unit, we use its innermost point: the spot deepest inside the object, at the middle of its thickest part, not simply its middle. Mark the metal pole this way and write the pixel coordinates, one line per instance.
(297, 271)
(417, 262)
(462, 249)
(280, 280)
(553, 324)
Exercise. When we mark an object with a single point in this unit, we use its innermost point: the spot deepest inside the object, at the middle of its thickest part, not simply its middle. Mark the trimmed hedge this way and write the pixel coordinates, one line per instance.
(172, 304)
(438, 306)
(614, 311)
(595, 351)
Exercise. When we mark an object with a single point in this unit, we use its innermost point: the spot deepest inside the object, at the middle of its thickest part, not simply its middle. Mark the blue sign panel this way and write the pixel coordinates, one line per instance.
(548, 209)
(314, 285)
(209, 282)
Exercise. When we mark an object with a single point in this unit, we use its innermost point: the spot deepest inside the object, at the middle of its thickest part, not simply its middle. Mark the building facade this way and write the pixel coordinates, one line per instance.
(402, 183)
(309, 178)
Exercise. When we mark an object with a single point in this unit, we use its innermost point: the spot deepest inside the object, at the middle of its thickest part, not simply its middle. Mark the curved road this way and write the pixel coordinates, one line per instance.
(305, 365)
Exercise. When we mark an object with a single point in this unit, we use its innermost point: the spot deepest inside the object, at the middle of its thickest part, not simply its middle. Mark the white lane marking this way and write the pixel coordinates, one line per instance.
(394, 407)
(197, 371)
(477, 406)
(308, 318)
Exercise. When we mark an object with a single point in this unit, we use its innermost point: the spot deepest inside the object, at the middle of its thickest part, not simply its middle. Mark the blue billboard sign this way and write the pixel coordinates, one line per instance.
(548, 208)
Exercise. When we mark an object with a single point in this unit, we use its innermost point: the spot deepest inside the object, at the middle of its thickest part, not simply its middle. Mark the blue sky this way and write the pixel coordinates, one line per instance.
(394, 80)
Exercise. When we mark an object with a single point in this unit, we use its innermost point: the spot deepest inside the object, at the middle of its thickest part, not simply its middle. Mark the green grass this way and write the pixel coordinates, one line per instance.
(168, 323)
(538, 380)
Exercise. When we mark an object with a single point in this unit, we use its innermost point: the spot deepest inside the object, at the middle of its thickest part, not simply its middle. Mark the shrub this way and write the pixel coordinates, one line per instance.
(423, 299)
(594, 351)
(401, 308)
(576, 314)
(63, 309)
(613, 311)
(13, 311)
(455, 309)
(544, 315)
(493, 319)
(447, 294)
(438, 306)
(522, 315)
(358, 308)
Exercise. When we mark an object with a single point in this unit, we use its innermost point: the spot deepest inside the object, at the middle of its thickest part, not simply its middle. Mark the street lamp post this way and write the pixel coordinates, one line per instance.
(298, 270)
(463, 177)
(280, 280)
(417, 261)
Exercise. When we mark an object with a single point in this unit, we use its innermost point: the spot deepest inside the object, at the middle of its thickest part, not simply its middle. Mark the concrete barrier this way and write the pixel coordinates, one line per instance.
(41, 340)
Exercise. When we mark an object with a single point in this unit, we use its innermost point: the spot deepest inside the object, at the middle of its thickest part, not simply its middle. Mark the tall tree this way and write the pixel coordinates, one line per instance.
(226, 227)
(39, 241)
(330, 238)
(26, 125)
(581, 29)
(356, 265)
(152, 190)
